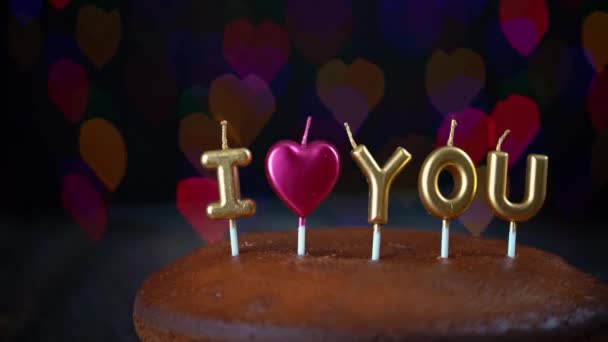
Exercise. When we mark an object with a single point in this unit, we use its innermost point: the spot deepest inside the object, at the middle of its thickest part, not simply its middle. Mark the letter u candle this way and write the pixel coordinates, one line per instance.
(535, 192)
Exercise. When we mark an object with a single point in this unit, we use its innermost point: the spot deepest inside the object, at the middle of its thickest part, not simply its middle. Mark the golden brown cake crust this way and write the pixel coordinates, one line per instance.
(336, 293)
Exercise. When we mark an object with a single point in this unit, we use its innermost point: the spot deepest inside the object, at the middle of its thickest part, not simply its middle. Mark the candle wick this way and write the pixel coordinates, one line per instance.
(501, 140)
(305, 136)
(451, 136)
(350, 136)
(224, 134)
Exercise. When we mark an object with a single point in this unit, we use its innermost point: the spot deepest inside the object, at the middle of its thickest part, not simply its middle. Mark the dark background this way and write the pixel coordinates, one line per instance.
(73, 254)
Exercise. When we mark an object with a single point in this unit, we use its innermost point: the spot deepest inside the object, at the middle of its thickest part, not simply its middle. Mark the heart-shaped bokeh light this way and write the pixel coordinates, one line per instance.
(98, 34)
(471, 135)
(524, 23)
(319, 28)
(59, 4)
(597, 101)
(84, 204)
(549, 69)
(453, 81)
(68, 88)
(520, 115)
(261, 50)
(247, 104)
(479, 215)
(350, 91)
(193, 196)
(103, 148)
(595, 31)
(477, 133)
(198, 133)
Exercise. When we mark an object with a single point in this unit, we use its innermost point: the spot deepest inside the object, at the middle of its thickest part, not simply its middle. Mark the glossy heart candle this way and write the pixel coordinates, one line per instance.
(302, 175)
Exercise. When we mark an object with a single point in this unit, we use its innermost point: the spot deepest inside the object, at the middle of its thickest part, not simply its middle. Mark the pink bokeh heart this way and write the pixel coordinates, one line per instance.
(350, 92)
(82, 201)
(479, 215)
(524, 23)
(193, 195)
(302, 175)
(261, 51)
(453, 80)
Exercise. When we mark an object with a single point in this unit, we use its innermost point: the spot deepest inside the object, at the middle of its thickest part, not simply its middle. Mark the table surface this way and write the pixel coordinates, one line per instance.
(63, 287)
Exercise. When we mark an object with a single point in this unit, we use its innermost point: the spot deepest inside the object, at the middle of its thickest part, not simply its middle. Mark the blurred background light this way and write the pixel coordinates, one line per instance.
(247, 104)
(453, 80)
(68, 88)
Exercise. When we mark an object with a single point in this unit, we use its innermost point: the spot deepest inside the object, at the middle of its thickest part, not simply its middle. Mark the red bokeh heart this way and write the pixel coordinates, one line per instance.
(68, 88)
(193, 195)
(597, 102)
(261, 51)
(478, 133)
(319, 28)
(60, 4)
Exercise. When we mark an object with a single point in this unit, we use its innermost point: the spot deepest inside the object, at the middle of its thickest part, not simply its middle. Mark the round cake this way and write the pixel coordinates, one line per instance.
(336, 293)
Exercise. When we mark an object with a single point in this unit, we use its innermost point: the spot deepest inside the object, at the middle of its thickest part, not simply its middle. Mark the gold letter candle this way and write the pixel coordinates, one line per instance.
(462, 169)
(535, 192)
(379, 181)
(230, 205)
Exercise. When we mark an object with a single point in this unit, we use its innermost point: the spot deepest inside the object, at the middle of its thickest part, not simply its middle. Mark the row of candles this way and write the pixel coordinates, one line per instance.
(302, 175)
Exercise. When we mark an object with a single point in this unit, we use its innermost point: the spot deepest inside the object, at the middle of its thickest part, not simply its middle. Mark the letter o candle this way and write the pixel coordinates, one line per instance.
(460, 165)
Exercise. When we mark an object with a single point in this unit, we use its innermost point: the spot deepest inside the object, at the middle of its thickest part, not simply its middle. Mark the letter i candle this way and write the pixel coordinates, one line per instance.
(302, 175)
(230, 205)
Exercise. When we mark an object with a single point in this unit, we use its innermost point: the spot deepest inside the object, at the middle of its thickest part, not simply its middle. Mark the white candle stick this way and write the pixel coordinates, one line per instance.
(234, 239)
(302, 236)
(376, 243)
(512, 238)
(445, 238)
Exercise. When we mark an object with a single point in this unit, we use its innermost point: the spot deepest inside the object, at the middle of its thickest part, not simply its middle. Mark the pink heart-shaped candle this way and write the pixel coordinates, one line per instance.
(302, 175)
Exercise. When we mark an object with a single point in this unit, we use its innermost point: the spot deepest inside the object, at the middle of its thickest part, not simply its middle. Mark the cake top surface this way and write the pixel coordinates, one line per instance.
(336, 291)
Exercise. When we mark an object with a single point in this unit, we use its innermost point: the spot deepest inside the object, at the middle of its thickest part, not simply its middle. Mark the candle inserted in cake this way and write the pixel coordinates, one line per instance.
(230, 206)
(462, 169)
(302, 175)
(379, 181)
(496, 190)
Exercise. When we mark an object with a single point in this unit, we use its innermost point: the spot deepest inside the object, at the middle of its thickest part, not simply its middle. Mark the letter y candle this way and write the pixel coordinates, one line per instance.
(379, 181)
